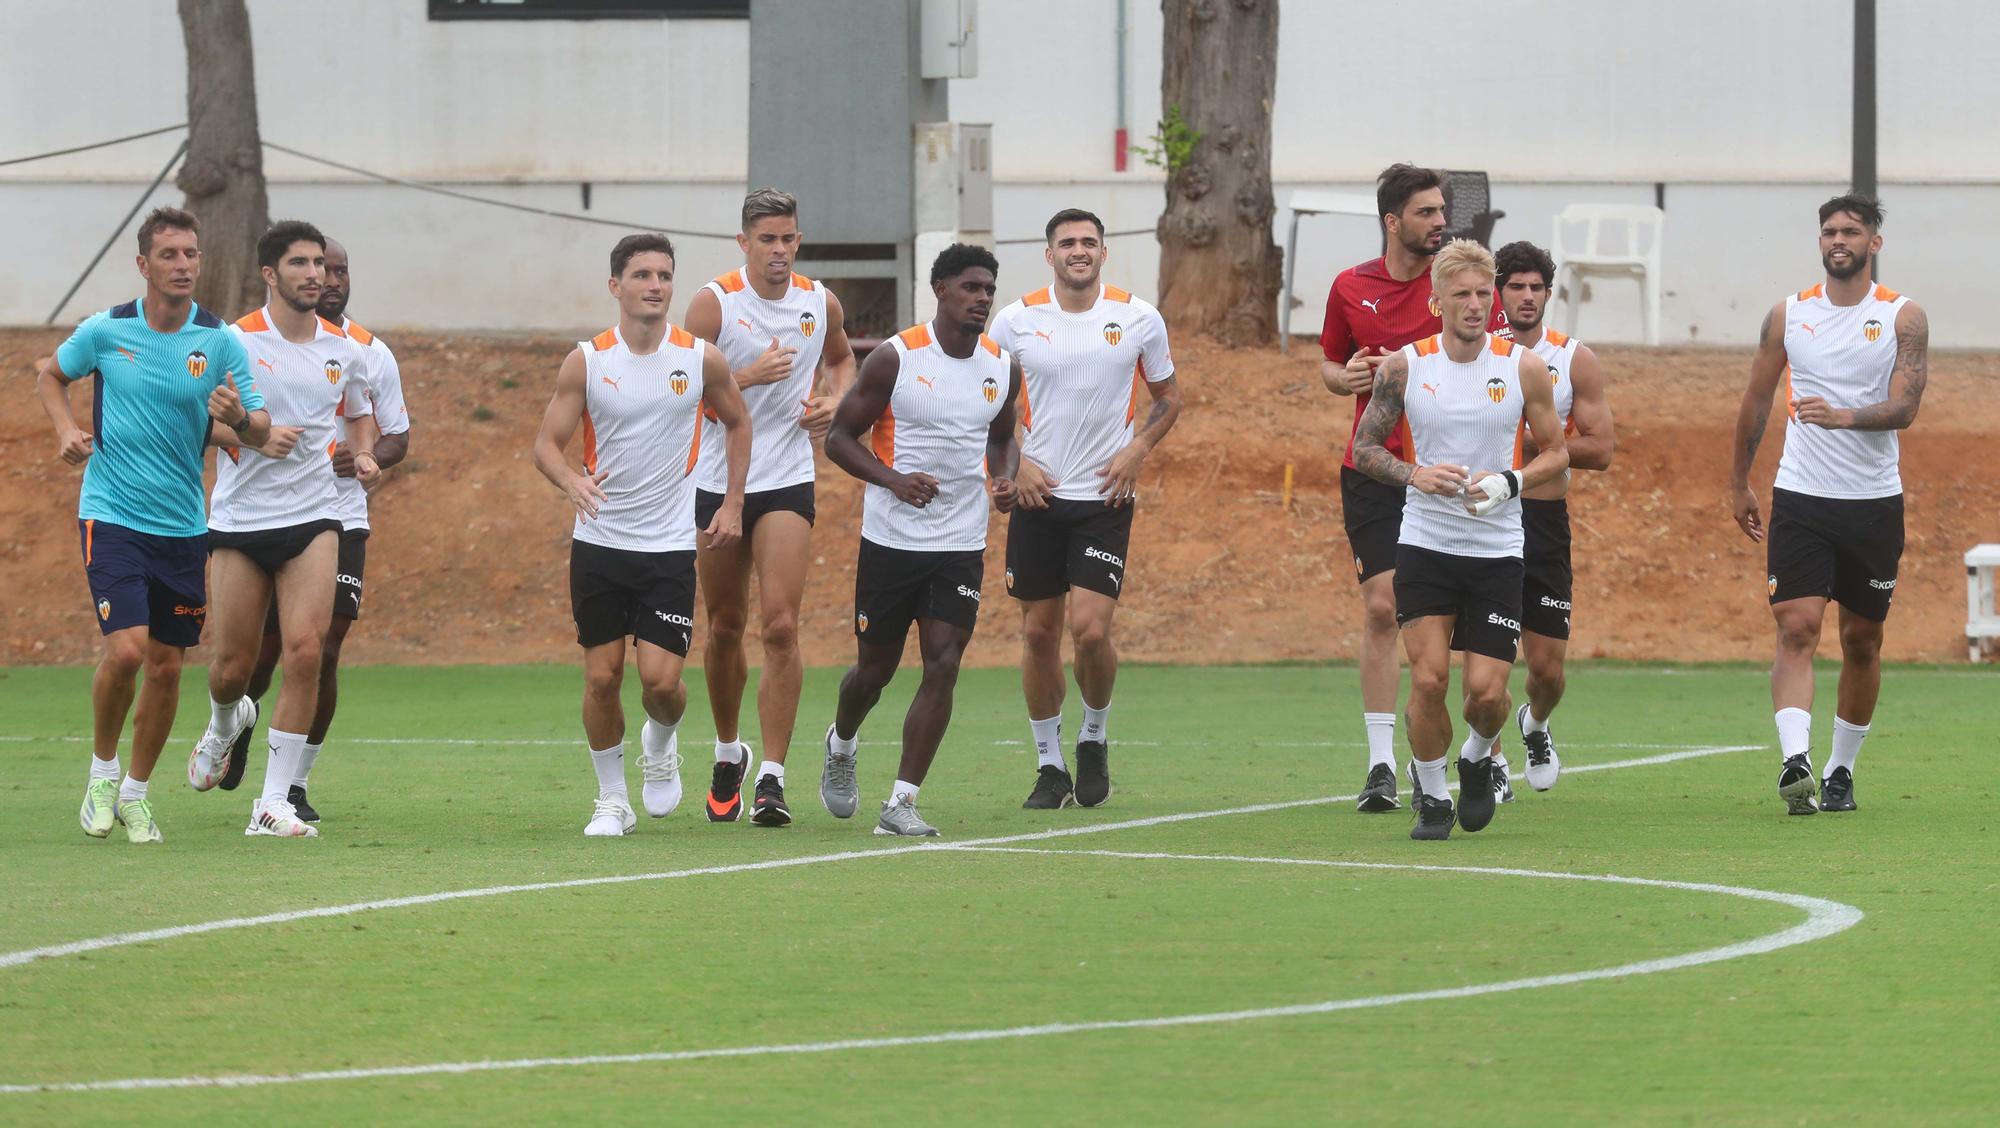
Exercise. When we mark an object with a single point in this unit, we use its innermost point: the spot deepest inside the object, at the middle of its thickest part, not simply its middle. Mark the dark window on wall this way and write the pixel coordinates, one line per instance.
(588, 9)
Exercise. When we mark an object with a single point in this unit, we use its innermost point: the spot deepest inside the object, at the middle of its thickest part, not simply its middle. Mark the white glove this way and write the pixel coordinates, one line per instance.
(1490, 491)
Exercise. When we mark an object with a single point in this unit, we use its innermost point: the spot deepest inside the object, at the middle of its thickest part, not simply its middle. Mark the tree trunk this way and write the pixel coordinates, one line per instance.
(224, 172)
(1219, 266)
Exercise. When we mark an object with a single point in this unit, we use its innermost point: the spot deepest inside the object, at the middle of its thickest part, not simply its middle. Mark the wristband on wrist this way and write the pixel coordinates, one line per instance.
(1513, 483)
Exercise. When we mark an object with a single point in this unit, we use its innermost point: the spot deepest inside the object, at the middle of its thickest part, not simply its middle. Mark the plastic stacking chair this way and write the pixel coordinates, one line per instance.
(1619, 240)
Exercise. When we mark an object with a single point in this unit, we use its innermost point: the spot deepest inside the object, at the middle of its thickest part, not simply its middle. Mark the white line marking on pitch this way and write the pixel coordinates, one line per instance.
(468, 742)
(1824, 918)
(173, 932)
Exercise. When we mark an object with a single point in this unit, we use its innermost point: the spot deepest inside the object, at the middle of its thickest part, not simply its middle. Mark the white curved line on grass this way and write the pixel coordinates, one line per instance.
(174, 932)
(1823, 918)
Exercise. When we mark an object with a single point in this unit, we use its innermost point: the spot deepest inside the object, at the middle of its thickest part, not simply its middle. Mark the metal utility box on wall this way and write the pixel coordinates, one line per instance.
(952, 173)
(840, 95)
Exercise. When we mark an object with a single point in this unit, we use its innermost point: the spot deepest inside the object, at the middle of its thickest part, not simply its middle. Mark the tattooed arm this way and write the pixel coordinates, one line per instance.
(1906, 384)
(1385, 409)
(1766, 367)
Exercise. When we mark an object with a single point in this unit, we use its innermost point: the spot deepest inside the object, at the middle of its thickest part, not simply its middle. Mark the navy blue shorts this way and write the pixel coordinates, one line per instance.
(140, 580)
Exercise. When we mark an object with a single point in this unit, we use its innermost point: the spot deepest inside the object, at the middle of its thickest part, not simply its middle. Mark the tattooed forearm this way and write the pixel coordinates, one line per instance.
(1906, 382)
(1385, 407)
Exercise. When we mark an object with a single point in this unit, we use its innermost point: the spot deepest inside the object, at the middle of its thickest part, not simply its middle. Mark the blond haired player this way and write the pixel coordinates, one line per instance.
(1853, 356)
(779, 331)
(1090, 354)
(638, 391)
(1465, 402)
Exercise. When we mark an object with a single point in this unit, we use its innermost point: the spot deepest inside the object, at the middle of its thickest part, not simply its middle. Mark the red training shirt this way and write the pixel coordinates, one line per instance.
(1366, 308)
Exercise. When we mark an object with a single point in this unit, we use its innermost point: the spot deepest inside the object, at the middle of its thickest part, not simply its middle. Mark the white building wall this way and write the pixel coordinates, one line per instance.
(1740, 109)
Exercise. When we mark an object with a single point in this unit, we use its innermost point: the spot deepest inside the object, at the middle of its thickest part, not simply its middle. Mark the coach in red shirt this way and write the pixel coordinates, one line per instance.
(1373, 310)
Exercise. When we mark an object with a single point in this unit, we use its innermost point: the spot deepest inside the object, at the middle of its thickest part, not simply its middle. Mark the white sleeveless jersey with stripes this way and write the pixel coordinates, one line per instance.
(1084, 377)
(1468, 414)
(642, 425)
(385, 396)
(1845, 355)
(309, 386)
(1558, 351)
(781, 453)
(937, 423)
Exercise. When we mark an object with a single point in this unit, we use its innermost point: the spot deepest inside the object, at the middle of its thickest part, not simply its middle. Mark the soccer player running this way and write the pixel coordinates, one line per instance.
(165, 369)
(1373, 310)
(274, 525)
(391, 420)
(1086, 351)
(1461, 398)
(638, 391)
(1853, 357)
(1527, 275)
(778, 330)
(937, 402)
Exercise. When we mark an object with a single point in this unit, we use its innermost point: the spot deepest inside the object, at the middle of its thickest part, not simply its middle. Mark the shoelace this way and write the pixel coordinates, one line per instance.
(840, 770)
(665, 767)
(142, 814)
(609, 807)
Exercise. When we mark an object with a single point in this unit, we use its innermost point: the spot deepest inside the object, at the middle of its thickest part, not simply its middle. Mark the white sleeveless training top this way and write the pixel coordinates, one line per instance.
(1468, 414)
(308, 386)
(936, 424)
(642, 423)
(1558, 351)
(1084, 377)
(781, 453)
(1843, 354)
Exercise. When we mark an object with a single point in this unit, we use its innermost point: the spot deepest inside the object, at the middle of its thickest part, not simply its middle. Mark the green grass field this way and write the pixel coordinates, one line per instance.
(441, 780)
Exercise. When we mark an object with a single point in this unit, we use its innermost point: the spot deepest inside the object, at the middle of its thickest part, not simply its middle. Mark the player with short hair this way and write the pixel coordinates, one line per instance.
(164, 370)
(1527, 276)
(937, 403)
(779, 331)
(391, 420)
(1090, 354)
(274, 526)
(1465, 401)
(1853, 356)
(638, 391)
(1373, 310)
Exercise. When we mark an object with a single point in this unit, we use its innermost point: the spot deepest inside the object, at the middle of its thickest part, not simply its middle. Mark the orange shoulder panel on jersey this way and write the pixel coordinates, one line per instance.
(253, 322)
(679, 337)
(1816, 291)
(1500, 345)
(801, 282)
(1039, 297)
(732, 281)
(605, 340)
(589, 444)
(989, 344)
(332, 328)
(915, 337)
(1115, 294)
(884, 438)
(1555, 338)
(1427, 347)
(1885, 294)
(361, 336)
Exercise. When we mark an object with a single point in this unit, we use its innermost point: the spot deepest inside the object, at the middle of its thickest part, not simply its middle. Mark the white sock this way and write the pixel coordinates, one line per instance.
(775, 771)
(222, 715)
(1430, 778)
(1794, 733)
(846, 745)
(131, 789)
(1477, 746)
(1534, 723)
(307, 756)
(103, 769)
(1381, 739)
(1093, 723)
(610, 766)
(901, 789)
(726, 751)
(281, 762)
(654, 737)
(1048, 742)
(1847, 740)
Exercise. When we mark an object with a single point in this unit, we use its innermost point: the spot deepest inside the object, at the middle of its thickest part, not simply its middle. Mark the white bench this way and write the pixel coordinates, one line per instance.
(1982, 617)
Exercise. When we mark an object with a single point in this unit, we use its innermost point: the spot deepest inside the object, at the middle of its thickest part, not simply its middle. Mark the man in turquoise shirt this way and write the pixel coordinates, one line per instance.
(164, 368)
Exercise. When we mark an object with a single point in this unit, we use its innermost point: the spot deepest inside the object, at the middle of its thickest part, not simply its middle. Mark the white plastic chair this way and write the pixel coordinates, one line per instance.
(1634, 251)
